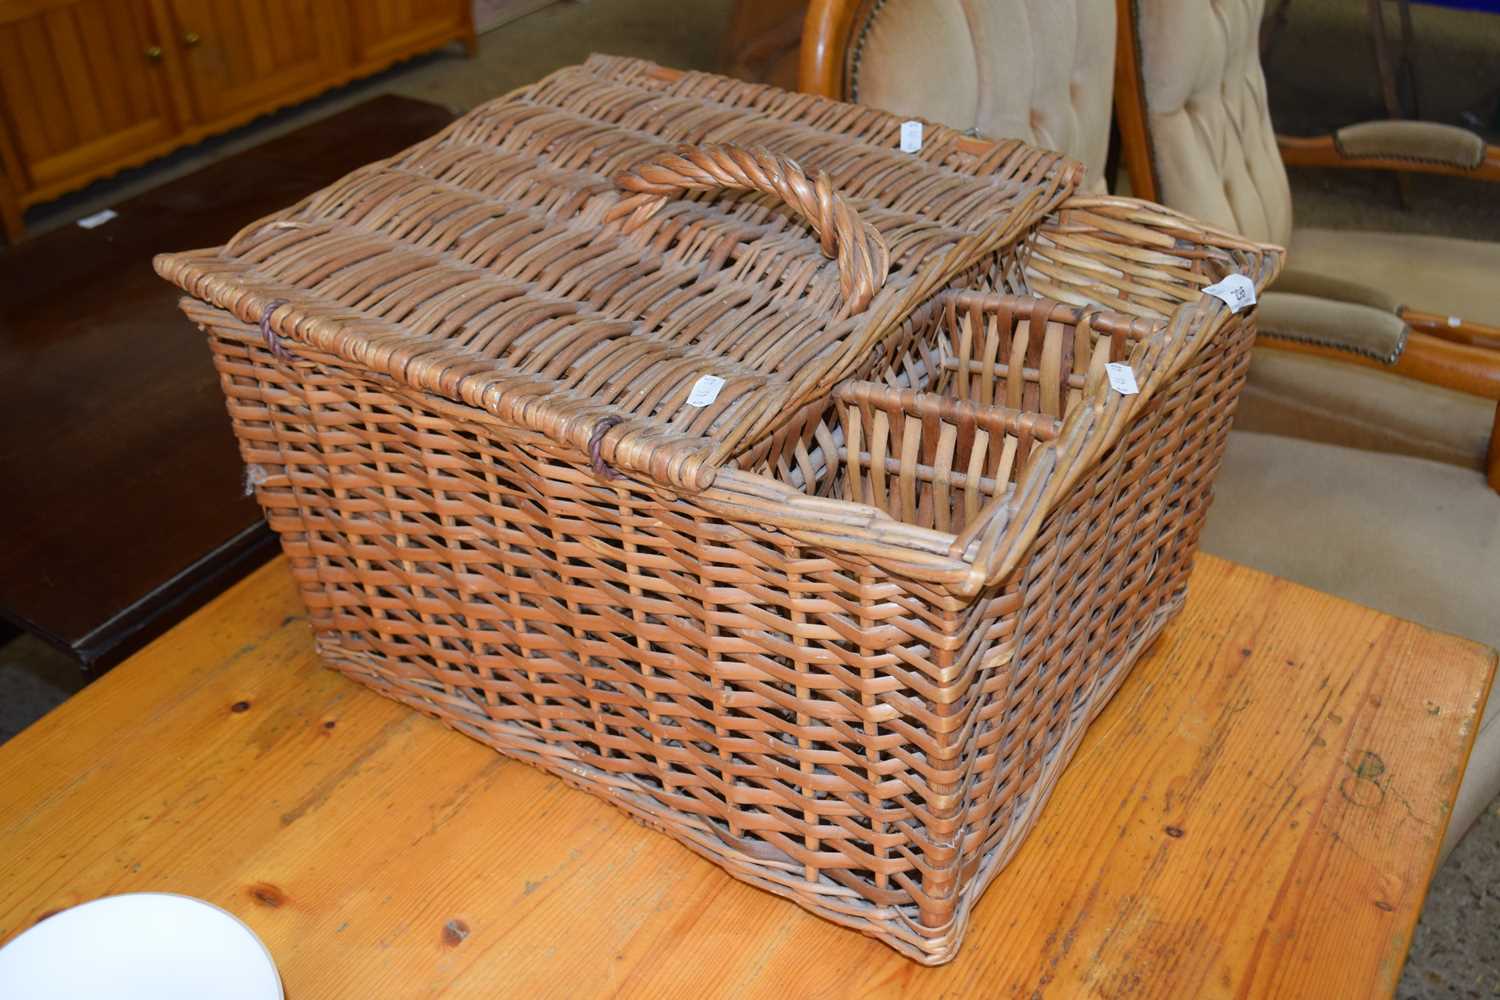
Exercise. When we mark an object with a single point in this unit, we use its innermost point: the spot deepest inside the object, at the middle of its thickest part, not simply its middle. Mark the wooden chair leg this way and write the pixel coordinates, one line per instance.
(1379, 43)
(1130, 107)
(1493, 462)
(1270, 30)
(1386, 71)
(12, 225)
(10, 216)
(1461, 332)
(1408, 57)
(470, 38)
(1403, 190)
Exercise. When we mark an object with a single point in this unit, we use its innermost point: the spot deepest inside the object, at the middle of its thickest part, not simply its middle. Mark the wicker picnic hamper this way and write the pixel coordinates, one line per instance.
(690, 440)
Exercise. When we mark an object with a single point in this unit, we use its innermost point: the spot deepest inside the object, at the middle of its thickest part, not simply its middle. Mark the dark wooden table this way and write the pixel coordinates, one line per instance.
(124, 507)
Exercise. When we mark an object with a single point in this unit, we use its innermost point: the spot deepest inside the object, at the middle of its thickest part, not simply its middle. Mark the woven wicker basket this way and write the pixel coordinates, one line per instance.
(838, 629)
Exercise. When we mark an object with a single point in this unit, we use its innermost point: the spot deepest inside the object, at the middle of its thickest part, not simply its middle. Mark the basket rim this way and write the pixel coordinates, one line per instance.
(962, 565)
(991, 548)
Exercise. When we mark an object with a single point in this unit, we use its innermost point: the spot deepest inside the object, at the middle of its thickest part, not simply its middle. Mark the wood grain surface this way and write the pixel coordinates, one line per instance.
(1257, 813)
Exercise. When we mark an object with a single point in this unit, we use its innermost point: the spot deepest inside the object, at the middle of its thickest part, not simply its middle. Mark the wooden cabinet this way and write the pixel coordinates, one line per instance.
(383, 29)
(240, 54)
(83, 85)
(88, 87)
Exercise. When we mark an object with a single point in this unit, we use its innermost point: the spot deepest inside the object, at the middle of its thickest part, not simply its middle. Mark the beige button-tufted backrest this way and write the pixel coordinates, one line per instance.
(1212, 144)
(1037, 70)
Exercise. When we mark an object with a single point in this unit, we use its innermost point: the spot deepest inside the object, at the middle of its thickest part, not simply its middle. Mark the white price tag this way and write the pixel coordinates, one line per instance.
(1121, 378)
(705, 391)
(1236, 291)
(911, 137)
(98, 219)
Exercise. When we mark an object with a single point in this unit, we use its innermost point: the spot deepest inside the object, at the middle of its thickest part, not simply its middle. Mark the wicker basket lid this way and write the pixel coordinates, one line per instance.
(574, 258)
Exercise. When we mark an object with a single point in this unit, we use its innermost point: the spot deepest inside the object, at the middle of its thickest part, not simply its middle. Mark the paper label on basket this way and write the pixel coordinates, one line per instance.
(911, 137)
(98, 219)
(1121, 378)
(1236, 291)
(705, 391)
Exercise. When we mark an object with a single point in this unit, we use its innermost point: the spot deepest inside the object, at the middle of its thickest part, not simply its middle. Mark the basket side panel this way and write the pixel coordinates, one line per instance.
(1107, 572)
(792, 716)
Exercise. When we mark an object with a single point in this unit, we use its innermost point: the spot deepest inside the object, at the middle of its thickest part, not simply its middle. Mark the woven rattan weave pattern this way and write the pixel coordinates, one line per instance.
(528, 262)
(849, 665)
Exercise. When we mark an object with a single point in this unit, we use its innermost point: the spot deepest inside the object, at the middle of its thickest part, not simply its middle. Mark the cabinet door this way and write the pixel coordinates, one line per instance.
(82, 88)
(242, 55)
(385, 30)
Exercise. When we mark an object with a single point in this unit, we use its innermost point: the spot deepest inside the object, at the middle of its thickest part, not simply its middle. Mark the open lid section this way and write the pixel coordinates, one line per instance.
(577, 256)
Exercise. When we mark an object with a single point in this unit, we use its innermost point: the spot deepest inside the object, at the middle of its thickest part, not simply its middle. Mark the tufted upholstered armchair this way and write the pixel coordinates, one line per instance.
(957, 62)
(1197, 136)
(1350, 480)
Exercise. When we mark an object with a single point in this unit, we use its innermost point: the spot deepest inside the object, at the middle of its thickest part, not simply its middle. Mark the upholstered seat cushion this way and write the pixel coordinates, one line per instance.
(1318, 399)
(1037, 70)
(1436, 274)
(1410, 537)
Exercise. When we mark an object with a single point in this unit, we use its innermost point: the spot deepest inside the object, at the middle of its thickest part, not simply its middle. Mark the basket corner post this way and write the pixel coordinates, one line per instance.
(937, 904)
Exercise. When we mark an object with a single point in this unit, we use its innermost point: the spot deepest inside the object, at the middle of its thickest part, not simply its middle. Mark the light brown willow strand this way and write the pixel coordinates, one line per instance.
(499, 264)
(861, 708)
(863, 256)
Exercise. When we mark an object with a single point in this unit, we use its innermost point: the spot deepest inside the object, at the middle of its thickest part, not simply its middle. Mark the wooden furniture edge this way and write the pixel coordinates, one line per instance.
(1470, 739)
(1492, 457)
(755, 37)
(1130, 106)
(1321, 151)
(1445, 328)
(11, 226)
(1429, 359)
(11, 206)
(825, 47)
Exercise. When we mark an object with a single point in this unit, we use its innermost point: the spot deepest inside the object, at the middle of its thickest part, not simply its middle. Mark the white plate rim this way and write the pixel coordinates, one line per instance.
(249, 931)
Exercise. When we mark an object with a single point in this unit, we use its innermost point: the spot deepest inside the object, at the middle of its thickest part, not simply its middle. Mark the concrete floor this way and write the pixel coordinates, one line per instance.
(34, 679)
(1320, 78)
(1456, 950)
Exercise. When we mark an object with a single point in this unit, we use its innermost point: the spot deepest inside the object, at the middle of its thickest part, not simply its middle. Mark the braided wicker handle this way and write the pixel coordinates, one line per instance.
(863, 259)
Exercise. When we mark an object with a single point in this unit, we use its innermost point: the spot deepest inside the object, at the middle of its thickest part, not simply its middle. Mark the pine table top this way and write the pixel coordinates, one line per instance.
(1258, 812)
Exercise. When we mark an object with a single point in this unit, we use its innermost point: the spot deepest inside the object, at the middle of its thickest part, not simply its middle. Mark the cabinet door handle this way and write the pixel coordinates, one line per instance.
(191, 39)
(153, 53)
